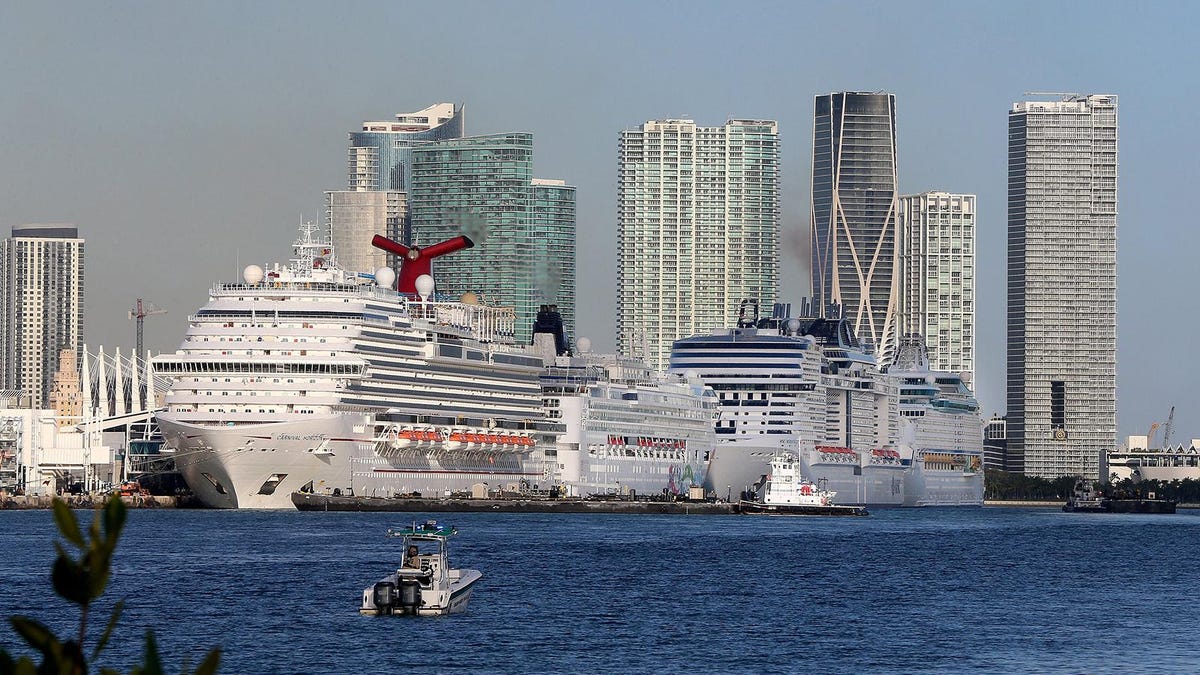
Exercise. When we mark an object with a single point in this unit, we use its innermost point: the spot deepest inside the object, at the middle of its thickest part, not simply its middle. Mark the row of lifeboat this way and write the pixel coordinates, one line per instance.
(405, 438)
(885, 456)
(841, 455)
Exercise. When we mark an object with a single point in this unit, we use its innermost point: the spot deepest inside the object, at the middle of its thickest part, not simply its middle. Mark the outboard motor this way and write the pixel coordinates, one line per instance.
(384, 596)
(409, 600)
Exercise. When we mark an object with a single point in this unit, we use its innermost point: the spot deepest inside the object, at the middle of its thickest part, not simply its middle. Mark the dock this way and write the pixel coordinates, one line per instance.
(315, 502)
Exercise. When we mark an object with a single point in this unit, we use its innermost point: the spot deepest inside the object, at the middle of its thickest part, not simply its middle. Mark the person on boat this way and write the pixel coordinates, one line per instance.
(410, 558)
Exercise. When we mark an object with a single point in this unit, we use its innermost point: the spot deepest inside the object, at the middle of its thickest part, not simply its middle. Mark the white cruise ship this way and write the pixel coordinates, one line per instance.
(942, 430)
(309, 377)
(628, 430)
(807, 386)
(804, 386)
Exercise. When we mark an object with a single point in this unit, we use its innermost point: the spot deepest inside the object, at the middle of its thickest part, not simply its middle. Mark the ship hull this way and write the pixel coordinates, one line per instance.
(259, 466)
(929, 487)
(234, 467)
(736, 467)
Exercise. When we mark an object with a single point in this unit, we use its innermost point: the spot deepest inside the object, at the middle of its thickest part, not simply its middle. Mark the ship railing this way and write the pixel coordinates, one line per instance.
(484, 323)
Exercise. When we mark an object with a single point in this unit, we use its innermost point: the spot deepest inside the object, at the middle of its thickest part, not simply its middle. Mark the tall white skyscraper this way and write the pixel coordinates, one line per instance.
(937, 230)
(42, 270)
(1062, 284)
(697, 229)
(354, 217)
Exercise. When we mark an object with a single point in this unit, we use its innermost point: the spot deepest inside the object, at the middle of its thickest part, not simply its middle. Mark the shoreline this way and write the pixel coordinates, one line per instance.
(1034, 504)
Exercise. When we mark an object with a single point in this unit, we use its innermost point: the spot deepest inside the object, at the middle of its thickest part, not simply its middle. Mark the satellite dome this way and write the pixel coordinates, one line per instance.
(252, 275)
(584, 344)
(793, 326)
(385, 277)
(424, 286)
(469, 298)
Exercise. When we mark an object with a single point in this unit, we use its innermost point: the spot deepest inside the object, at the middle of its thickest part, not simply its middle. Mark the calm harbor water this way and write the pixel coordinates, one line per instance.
(913, 590)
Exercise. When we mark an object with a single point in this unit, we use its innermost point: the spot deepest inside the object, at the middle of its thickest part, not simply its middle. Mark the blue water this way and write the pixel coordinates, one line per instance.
(912, 590)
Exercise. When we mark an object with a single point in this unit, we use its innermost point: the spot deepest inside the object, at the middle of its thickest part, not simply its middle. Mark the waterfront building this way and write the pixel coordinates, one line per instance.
(1062, 284)
(354, 217)
(938, 277)
(41, 266)
(855, 213)
(523, 228)
(995, 446)
(380, 156)
(697, 229)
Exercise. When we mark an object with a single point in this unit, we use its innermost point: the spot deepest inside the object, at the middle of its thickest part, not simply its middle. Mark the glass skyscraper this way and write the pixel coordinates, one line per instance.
(1062, 284)
(523, 228)
(938, 277)
(697, 229)
(42, 271)
(855, 213)
(380, 155)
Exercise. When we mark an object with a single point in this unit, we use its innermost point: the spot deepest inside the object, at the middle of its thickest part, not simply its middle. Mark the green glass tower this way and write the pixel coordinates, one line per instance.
(523, 228)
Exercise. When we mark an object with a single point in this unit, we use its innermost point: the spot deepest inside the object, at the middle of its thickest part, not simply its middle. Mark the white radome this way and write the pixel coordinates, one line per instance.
(385, 277)
(252, 275)
(584, 344)
(424, 286)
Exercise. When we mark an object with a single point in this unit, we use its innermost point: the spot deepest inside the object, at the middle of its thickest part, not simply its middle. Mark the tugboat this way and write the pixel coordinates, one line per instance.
(1087, 498)
(424, 584)
(786, 492)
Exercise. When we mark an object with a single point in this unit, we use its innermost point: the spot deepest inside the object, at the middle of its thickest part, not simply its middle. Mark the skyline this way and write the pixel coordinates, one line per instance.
(205, 151)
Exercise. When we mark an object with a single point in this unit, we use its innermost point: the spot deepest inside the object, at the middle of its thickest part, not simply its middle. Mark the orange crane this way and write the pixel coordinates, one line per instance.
(140, 312)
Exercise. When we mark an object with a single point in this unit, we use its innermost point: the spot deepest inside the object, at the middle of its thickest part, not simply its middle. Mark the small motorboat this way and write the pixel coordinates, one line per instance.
(424, 584)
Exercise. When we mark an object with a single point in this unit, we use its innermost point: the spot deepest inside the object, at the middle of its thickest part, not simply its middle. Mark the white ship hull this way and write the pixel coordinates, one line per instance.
(737, 467)
(944, 487)
(260, 466)
(584, 475)
(228, 467)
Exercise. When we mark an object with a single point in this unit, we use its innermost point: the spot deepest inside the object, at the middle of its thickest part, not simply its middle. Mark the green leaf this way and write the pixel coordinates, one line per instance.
(112, 623)
(68, 527)
(97, 564)
(210, 663)
(25, 666)
(36, 634)
(71, 660)
(152, 664)
(70, 580)
(114, 519)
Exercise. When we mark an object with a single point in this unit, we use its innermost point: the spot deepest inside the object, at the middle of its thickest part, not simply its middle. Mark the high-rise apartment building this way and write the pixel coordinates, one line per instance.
(42, 270)
(523, 228)
(380, 155)
(1062, 284)
(937, 231)
(354, 217)
(855, 213)
(697, 229)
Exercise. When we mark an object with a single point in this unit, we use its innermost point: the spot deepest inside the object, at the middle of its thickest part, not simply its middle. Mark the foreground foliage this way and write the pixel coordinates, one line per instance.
(81, 581)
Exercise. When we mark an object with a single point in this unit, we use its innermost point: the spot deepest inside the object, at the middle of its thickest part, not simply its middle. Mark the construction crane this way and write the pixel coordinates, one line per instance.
(140, 312)
(1167, 428)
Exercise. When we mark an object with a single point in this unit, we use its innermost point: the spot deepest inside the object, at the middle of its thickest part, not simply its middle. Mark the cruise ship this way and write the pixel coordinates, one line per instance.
(627, 429)
(308, 377)
(941, 430)
(803, 386)
(808, 386)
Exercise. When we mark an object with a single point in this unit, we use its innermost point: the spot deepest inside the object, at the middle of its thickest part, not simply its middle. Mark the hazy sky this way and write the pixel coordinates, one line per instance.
(186, 140)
